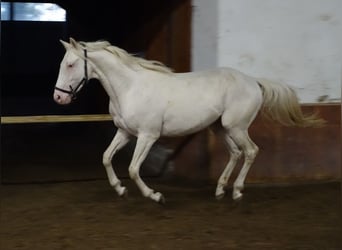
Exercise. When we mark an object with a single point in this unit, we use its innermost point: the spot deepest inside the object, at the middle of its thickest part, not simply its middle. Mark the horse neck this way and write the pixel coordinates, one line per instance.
(115, 77)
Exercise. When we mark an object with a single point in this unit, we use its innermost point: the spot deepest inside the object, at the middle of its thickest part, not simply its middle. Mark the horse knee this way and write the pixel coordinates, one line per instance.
(250, 154)
(106, 159)
(236, 154)
(133, 173)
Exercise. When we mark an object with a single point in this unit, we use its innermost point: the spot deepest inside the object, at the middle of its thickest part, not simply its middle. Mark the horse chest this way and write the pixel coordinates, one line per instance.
(120, 119)
(135, 119)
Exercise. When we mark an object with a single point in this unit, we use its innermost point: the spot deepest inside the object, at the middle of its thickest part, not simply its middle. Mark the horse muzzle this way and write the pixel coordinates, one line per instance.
(62, 98)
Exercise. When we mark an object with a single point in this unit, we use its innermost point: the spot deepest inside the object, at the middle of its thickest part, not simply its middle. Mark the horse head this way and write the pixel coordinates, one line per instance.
(73, 72)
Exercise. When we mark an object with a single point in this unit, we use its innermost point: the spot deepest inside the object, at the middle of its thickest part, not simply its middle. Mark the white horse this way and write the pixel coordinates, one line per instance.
(148, 100)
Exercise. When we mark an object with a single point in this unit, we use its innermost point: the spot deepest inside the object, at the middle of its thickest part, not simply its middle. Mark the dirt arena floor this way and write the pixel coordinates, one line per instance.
(89, 215)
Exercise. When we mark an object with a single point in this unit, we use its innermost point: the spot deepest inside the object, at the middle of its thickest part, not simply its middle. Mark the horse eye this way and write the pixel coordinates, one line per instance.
(70, 65)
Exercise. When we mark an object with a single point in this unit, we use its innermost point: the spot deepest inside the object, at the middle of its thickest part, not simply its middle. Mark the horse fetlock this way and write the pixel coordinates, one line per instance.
(122, 191)
(155, 196)
(238, 186)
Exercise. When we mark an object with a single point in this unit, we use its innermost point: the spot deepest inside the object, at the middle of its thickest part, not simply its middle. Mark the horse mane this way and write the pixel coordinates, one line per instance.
(128, 59)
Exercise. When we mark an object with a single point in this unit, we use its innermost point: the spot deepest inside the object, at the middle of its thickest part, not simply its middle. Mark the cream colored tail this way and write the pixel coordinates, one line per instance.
(281, 104)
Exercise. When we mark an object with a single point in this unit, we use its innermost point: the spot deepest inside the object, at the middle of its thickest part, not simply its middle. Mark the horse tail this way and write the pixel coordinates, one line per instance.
(281, 104)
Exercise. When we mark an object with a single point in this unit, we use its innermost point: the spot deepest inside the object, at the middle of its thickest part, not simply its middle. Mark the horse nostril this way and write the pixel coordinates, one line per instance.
(57, 97)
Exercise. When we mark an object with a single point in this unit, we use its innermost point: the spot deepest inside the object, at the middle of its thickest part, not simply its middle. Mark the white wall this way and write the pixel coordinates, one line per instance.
(298, 42)
(204, 34)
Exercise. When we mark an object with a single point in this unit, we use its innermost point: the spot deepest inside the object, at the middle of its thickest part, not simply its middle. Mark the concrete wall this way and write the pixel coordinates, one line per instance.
(298, 42)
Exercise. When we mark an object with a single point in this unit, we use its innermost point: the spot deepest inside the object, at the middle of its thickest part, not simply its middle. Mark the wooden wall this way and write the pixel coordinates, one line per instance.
(171, 43)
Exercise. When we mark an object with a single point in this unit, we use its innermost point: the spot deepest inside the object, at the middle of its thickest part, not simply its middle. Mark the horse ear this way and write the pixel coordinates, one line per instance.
(73, 42)
(65, 44)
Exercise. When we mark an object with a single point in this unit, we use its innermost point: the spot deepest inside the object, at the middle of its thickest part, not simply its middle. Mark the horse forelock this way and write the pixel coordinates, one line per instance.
(128, 59)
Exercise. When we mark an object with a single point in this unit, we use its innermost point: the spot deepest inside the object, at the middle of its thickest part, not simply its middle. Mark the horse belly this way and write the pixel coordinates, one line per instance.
(182, 120)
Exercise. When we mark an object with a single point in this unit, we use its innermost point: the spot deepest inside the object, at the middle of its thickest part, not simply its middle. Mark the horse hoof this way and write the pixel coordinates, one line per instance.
(161, 200)
(219, 196)
(237, 196)
(124, 193)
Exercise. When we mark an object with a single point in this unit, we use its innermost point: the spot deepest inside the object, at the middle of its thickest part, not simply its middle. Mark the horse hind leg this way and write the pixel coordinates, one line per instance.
(250, 150)
(235, 154)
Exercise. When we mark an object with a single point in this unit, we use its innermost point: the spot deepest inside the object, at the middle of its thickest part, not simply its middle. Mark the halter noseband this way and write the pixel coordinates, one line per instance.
(73, 92)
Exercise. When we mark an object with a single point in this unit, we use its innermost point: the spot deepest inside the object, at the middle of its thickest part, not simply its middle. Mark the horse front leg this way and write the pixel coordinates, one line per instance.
(144, 144)
(121, 138)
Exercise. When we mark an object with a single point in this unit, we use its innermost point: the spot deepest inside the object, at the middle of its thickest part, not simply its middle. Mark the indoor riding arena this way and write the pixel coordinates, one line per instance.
(55, 193)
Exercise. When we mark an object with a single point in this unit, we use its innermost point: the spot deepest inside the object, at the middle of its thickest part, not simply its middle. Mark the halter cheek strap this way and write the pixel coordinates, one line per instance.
(72, 91)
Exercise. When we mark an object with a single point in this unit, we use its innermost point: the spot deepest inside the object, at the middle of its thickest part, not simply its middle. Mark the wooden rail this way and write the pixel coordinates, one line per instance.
(55, 118)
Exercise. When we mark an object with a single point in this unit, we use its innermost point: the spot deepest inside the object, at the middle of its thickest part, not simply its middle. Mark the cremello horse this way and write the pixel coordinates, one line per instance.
(148, 100)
